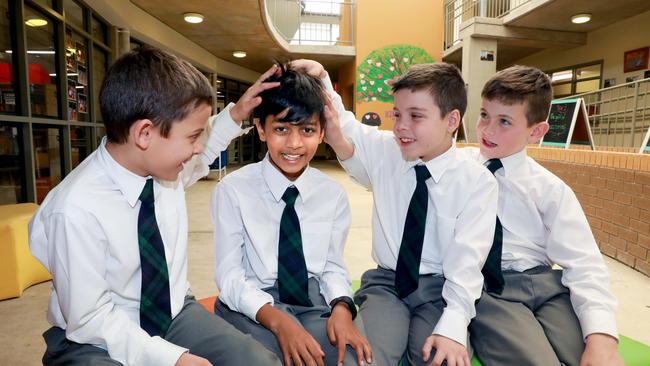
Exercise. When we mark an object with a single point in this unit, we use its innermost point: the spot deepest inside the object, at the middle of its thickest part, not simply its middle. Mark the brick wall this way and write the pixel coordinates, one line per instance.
(614, 191)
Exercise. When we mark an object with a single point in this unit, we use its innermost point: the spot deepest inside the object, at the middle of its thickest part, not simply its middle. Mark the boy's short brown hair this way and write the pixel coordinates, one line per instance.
(149, 83)
(444, 81)
(519, 84)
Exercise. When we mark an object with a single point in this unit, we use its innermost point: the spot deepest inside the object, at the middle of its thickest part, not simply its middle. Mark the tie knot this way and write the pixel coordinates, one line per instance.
(422, 173)
(493, 165)
(290, 196)
(146, 196)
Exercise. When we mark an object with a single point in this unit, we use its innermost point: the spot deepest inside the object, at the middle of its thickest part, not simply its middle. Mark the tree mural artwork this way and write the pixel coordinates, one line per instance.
(384, 65)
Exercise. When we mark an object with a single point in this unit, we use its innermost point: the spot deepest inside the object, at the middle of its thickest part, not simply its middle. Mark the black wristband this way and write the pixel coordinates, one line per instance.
(348, 301)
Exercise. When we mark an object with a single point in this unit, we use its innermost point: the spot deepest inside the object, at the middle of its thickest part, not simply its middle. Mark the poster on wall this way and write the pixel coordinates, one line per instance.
(72, 110)
(82, 105)
(382, 66)
(81, 53)
(72, 90)
(82, 75)
(635, 60)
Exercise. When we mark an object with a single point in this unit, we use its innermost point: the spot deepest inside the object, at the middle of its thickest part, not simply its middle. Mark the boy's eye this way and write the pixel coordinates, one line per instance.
(280, 129)
(308, 130)
(416, 116)
(483, 115)
(505, 122)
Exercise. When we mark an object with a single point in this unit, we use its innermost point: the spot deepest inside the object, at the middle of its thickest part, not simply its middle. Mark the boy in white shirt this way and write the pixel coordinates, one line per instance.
(113, 233)
(428, 234)
(537, 315)
(279, 231)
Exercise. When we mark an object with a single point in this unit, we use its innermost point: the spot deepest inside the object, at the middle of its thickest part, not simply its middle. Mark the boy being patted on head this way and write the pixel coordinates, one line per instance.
(432, 208)
(113, 233)
(537, 315)
(280, 227)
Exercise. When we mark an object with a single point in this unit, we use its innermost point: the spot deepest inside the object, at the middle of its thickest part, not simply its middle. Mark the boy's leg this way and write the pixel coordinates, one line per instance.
(314, 322)
(211, 337)
(558, 319)
(385, 316)
(505, 331)
(61, 351)
(427, 307)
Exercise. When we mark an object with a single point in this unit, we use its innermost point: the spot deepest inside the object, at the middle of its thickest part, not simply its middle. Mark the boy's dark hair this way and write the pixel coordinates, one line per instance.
(444, 81)
(301, 93)
(519, 84)
(149, 83)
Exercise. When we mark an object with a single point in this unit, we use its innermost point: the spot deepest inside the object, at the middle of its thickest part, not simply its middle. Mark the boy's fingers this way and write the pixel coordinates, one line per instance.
(331, 335)
(426, 349)
(341, 351)
(438, 358)
(267, 74)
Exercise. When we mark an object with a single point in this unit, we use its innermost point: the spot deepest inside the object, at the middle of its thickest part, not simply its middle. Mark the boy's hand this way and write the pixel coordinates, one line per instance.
(333, 134)
(188, 359)
(311, 67)
(251, 98)
(341, 332)
(600, 349)
(446, 349)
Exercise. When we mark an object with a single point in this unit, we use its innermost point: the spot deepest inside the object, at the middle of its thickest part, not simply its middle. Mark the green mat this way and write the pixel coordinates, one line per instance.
(634, 353)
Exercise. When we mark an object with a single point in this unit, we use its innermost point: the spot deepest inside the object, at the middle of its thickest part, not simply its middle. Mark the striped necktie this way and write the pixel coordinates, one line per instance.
(292, 270)
(492, 268)
(155, 307)
(407, 272)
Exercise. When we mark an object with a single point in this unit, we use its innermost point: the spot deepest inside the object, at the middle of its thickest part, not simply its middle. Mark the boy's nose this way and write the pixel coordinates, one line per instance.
(198, 148)
(294, 140)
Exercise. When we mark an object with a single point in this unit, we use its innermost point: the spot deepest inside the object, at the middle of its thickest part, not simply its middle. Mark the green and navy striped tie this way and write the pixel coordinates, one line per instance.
(492, 273)
(292, 270)
(407, 272)
(155, 307)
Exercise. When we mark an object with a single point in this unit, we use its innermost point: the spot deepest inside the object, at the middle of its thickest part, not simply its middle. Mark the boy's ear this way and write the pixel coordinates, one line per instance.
(142, 132)
(260, 130)
(537, 132)
(453, 121)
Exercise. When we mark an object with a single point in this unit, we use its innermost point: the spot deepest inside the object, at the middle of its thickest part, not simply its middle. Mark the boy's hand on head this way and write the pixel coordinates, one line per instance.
(310, 67)
(341, 331)
(333, 134)
(251, 99)
(601, 349)
(446, 349)
(188, 359)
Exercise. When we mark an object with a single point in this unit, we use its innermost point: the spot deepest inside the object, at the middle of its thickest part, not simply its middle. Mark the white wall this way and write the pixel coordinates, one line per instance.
(607, 44)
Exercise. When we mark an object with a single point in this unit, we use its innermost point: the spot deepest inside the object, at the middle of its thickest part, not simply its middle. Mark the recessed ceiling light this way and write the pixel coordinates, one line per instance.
(193, 18)
(239, 54)
(34, 21)
(581, 18)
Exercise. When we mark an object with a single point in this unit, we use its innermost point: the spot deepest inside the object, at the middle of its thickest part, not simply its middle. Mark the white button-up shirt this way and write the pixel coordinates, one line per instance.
(544, 224)
(246, 210)
(85, 233)
(460, 217)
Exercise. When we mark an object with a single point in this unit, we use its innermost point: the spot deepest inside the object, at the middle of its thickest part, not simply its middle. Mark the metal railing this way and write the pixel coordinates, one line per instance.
(619, 116)
(459, 11)
(314, 22)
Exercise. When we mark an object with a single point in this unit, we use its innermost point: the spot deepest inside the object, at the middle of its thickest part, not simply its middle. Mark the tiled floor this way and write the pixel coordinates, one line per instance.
(22, 320)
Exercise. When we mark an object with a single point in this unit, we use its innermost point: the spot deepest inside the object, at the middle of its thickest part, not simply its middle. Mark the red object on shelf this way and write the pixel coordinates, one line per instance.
(37, 74)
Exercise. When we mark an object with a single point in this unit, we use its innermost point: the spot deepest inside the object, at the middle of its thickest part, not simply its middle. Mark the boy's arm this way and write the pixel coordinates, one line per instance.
(571, 244)
(224, 127)
(235, 291)
(78, 265)
(465, 256)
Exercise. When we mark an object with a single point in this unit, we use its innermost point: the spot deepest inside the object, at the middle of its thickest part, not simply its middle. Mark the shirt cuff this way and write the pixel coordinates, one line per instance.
(327, 83)
(598, 321)
(224, 129)
(453, 325)
(161, 352)
(252, 301)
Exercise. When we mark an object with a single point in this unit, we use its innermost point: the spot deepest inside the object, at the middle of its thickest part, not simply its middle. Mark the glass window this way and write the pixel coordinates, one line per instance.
(48, 159)
(7, 84)
(41, 58)
(99, 30)
(587, 72)
(76, 55)
(12, 166)
(587, 86)
(73, 13)
(561, 90)
(80, 142)
(100, 65)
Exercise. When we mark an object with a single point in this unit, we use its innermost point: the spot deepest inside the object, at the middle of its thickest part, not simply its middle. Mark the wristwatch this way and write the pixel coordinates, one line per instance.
(348, 301)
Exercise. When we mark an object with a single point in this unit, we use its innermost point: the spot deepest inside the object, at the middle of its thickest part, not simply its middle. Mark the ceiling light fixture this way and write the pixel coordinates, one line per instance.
(193, 18)
(34, 21)
(239, 54)
(581, 18)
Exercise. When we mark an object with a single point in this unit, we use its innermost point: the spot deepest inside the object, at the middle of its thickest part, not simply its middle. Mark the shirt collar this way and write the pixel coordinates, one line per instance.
(510, 163)
(129, 183)
(436, 166)
(278, 183)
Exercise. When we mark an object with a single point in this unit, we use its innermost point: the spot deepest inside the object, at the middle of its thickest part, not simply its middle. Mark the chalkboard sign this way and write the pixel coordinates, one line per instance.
(568, 124)
(645, 146)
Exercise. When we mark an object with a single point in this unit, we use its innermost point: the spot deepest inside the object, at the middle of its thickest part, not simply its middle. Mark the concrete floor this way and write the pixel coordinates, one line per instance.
(22, 320)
